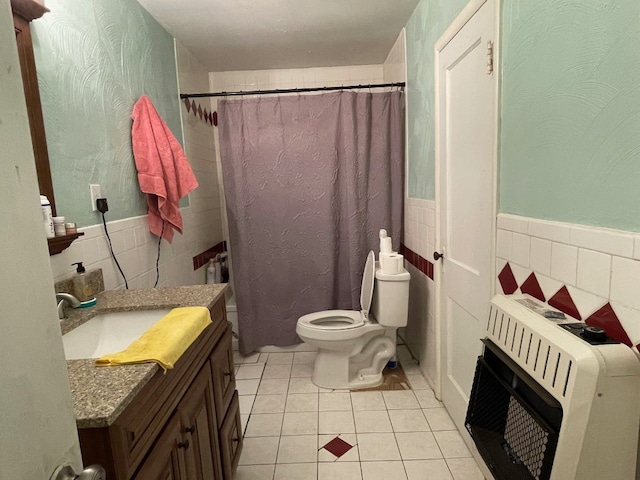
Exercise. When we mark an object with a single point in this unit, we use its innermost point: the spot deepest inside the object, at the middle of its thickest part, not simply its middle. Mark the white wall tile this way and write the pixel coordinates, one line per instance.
(629, 319)
(521, 249)
(554, 231)
(594, 272)
(564, 263)
(513, 223)
(636, 249)
(504, 244)
(602, 240)
(625, 278)
(541, 255)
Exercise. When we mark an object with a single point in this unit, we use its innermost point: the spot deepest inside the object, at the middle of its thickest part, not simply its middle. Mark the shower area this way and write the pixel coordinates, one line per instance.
(309, 176)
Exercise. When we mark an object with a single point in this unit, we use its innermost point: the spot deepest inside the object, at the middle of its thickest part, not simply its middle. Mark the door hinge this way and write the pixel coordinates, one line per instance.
(489, 57)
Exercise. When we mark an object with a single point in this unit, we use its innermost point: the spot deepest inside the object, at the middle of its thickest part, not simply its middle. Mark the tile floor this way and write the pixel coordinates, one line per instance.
(295, 430)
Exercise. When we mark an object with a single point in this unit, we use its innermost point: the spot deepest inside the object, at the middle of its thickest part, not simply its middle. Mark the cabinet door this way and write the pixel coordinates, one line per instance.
(224, 382)
(166, 459)
(198, 423)
(231, 439)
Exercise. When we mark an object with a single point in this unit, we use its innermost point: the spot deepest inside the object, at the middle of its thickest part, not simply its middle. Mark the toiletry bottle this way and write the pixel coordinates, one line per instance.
(81, 287)
(211, 272)
(47, 216)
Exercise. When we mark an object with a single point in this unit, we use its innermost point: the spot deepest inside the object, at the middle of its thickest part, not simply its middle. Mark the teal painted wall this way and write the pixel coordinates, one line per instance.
(95, 59)
(427, 24)
(570, 141)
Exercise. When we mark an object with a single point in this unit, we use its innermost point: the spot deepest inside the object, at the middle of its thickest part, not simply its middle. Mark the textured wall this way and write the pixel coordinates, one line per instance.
(428, 22)
(570, 147)
(95, 58)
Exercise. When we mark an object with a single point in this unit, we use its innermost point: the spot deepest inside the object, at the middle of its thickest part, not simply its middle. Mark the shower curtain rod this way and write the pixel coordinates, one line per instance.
(290, 90)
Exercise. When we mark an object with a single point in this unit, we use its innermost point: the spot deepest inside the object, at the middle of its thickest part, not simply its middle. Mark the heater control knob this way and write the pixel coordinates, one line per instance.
(594, 334)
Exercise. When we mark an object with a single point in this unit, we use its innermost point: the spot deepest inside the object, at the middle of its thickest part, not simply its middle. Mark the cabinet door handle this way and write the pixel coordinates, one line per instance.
(190, 429)
(184, 444)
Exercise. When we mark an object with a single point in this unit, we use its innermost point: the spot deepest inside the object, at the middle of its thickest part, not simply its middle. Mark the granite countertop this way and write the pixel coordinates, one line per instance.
(100, 394)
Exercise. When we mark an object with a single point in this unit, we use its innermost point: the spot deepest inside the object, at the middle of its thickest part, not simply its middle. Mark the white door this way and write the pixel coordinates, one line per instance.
(37, 427)
(465, 186)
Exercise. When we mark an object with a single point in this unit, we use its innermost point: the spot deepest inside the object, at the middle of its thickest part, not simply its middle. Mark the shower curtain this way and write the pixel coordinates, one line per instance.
(309, 181)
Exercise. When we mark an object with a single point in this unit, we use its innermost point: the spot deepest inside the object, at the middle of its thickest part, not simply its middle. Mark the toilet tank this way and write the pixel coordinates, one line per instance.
(391, 299)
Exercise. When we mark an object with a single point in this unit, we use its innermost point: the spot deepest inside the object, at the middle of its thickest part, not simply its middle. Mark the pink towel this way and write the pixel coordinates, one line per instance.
(164, 172)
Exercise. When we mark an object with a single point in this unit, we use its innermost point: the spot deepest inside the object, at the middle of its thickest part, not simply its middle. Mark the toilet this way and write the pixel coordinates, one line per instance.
(354, 346)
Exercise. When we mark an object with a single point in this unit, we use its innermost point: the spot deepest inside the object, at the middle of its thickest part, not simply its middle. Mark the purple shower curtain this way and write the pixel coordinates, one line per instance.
(309, 181)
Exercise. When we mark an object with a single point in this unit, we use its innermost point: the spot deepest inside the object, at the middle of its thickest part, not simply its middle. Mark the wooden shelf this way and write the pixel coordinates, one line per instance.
(58, 244)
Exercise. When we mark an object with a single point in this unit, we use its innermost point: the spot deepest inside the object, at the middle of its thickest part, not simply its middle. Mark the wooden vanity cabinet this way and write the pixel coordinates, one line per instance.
(178, 425)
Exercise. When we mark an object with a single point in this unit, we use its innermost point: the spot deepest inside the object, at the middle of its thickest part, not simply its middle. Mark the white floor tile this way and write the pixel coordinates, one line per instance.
(300, 423)
(400, 399)
(418, 446)
(296, 471)
(411, 368)
(280, 359)
(383, 471)
(367, 401)
(377, 447)
(244, 419)
(339, 471)
(238, 358)
(259, 451)
(464, 469)
(334, 402)
(372, 421)
(302, 402)
(277, 371)
(326, 456)
(301, 370)
(246, 403)
(336, 422)
(276, 386)
(304, 358)
(264, 425)
(408, 421)
(269, 404)
(254, 472)
(439, 419)
(451, 444)
(298, 449)
(246, 372)
(418, 382)
(247, 387)
(427, 470)
(302, 385)
(427, 399)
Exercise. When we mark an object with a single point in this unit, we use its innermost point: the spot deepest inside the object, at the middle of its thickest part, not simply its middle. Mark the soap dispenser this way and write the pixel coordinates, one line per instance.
(82, 289)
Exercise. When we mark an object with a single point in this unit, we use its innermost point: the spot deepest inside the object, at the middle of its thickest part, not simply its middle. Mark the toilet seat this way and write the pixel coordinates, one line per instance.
(337, 320)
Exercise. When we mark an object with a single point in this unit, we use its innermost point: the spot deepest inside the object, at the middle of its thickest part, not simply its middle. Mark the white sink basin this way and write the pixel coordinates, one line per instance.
(108, 333)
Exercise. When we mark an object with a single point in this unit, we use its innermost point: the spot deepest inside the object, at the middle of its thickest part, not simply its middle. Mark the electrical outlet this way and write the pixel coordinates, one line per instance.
(95, 194)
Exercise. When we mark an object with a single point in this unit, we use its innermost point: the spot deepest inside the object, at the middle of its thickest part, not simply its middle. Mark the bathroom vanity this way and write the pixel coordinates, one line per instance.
(142, 424)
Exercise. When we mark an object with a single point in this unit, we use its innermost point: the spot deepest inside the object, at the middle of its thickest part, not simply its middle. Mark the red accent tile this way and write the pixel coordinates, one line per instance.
(205, 114)
(508, 280)
(607, 319)
(215, 119)
(430, 268)
(423, 264)
(532, 287)
(193, 107)
(187, 104)
(338, 447)
(200, 111)
(562, 301)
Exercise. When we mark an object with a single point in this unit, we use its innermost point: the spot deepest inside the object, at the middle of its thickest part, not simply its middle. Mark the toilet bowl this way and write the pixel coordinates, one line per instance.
(354, 346)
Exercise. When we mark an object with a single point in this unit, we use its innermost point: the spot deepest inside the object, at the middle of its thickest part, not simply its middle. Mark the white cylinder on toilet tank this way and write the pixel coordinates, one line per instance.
(391, 299)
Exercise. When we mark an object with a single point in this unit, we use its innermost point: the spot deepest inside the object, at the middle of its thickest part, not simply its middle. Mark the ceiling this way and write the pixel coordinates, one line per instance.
(228, 35)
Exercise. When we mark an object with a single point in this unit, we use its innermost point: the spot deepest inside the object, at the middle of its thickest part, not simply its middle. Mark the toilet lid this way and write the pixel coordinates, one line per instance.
(366, 291)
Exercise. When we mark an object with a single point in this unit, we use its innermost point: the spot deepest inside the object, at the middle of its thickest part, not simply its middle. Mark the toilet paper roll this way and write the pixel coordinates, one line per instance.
(391, 263)
(385, 242)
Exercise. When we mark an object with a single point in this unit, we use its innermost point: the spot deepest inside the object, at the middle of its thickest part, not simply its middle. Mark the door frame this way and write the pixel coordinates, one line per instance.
(460, 21)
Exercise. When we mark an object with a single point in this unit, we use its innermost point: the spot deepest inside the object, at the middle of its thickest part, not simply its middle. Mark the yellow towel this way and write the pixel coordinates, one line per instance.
(165, 341)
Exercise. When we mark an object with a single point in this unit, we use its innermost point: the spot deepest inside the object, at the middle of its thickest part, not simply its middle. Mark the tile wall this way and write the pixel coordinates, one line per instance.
(135, 248)
(590, 273)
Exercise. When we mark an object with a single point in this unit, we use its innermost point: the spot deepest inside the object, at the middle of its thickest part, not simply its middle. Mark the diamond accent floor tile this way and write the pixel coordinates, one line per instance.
(337, 447)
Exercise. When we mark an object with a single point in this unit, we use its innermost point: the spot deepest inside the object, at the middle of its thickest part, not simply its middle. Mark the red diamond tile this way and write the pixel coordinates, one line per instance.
(562, 301)
(193, 107)
(215, 119)
(430, 269)
(187, 104)
(507, 280)
(200, 111)
(532, 287)
(338, 447)
(607, 319)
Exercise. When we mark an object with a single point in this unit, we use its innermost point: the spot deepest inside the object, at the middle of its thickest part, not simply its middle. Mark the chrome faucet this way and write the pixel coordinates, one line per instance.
(63, 298)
